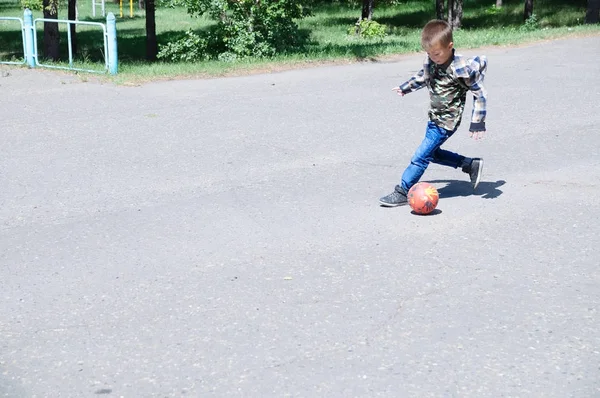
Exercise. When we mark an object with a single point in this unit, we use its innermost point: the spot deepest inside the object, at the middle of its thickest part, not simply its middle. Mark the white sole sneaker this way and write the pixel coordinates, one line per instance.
(479, 173)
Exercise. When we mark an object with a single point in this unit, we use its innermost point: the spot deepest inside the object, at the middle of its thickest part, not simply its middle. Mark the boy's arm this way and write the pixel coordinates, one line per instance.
(473, 74)
(414, 83)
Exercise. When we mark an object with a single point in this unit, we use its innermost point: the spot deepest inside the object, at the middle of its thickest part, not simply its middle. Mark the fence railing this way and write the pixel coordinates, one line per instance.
(30, 44)
(20, 21)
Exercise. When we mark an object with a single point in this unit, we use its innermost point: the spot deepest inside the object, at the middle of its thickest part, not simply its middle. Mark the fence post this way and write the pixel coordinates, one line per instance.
(29, 32)
(111, 32)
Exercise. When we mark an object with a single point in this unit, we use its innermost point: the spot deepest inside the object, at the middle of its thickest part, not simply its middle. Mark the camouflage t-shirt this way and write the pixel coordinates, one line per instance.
(448, 96)
(448, 85)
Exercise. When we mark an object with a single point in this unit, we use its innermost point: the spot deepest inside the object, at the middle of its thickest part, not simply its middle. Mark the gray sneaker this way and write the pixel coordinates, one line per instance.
(394, 199)
(475, 170)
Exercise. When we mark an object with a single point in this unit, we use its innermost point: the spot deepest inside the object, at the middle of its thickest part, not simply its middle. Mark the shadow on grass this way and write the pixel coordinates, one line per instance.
(11, 8)
(477, 14)
(133, 48)
(361, 50)
(415, 19)
(486, 19)
(11, 45)
(120, 20)
(90, 45)
(551, 13)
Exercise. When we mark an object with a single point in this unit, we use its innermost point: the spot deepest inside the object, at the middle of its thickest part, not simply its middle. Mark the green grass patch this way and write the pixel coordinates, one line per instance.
(326, 32)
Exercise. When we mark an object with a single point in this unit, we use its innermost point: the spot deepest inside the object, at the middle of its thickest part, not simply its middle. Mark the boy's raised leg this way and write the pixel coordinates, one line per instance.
(474, 170)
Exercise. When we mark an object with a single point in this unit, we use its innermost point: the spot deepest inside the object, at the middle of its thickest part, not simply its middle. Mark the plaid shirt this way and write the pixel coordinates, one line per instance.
(448, 85)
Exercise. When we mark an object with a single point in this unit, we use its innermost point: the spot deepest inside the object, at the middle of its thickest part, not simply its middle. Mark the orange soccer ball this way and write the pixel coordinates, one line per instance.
(423, 198)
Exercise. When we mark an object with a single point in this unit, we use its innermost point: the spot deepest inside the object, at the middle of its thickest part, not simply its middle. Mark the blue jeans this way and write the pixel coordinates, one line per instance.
(430, 151)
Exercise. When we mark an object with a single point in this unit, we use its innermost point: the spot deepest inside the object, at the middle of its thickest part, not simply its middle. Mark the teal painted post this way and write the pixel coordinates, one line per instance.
(29, 32)
(111, 32)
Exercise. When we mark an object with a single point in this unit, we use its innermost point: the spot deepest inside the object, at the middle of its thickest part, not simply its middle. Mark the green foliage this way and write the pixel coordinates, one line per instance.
(250, 28)
(532, 23)
(52, 7)
(168, 3)
(387, 3)
(493, 10)
(34, 5)
(189, 48)
(358, 3)
(368, 29)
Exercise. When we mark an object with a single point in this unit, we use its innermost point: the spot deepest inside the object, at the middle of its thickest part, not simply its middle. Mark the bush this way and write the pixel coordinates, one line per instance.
(250, 28)
(33, 5)
(189, 48)
(532, 23)
(368, 29)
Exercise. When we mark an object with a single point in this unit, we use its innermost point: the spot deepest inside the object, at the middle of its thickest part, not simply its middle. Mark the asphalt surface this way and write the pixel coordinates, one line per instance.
(223, 237)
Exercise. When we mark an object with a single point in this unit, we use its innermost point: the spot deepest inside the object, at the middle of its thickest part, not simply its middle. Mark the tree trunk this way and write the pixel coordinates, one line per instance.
(151, 45)
(367, 9)
(455, 13)
(72, 5)
(439, 9)
(593, 11)
(51, 36)
(528, 12)
(498, 3)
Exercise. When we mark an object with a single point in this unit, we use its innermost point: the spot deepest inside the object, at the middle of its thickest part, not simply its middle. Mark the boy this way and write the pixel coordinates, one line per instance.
(448, 77)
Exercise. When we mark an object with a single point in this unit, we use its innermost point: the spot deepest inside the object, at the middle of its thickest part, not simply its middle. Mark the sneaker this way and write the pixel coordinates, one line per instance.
(394, 199)
(475, 170)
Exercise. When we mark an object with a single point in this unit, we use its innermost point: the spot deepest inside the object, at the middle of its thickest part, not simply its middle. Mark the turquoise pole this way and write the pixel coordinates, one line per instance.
(111, 32)
(29, 32)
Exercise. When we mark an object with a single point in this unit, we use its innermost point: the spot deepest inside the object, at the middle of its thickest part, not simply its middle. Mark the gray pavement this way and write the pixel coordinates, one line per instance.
(223, 237)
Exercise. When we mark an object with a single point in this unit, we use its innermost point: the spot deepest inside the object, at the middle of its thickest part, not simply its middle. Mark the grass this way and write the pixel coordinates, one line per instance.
(326, 30)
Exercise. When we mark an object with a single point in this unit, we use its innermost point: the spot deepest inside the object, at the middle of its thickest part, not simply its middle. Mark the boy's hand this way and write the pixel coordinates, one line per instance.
(477, 135)
(398, 91)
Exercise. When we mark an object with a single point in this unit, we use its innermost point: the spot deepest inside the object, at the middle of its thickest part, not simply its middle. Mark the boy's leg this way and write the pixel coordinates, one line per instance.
(474, 170)
(473, 167)
(435, 136)
(430, 151)
(451, 159)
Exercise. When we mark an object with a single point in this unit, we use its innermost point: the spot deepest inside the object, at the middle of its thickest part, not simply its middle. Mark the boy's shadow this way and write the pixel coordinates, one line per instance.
(454, 188)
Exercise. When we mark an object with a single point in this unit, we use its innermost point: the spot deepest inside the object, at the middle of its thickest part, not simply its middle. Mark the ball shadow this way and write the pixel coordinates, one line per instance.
(435, 212)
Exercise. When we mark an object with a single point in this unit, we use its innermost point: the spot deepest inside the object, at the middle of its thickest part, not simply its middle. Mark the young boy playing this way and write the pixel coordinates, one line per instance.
(448, 76)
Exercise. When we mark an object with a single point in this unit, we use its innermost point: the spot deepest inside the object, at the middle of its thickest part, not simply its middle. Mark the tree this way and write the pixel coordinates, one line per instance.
(439, 9)
(72, 15)
(498, 3)
(151, 44)
(593, 11)
(528, 12)
(455, 13)
(367, 9)
(51, 36)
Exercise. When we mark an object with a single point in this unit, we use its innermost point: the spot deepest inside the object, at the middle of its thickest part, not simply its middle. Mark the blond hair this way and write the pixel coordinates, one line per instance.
(436, 32)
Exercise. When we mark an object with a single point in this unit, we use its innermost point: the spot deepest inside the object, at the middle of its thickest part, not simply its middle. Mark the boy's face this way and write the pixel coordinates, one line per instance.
(440, 54)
